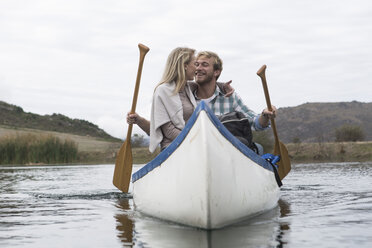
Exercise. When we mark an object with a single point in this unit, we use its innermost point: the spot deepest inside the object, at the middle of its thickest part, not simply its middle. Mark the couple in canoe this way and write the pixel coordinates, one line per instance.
(189, 78)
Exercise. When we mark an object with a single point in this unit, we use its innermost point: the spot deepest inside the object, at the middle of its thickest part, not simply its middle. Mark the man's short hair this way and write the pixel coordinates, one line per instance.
(217, 62)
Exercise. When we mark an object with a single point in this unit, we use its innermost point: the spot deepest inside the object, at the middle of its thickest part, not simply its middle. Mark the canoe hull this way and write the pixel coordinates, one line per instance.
(206, 182)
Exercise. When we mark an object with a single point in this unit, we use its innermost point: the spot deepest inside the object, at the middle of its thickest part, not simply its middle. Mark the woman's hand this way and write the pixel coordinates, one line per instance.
(132, 118)
(228, 89)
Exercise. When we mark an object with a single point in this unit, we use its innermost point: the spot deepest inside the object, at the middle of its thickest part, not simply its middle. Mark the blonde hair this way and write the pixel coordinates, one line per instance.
(175, 67)
(217, 62)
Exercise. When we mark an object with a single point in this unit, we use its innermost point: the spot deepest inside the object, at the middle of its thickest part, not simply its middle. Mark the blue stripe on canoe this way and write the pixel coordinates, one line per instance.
(174, 145)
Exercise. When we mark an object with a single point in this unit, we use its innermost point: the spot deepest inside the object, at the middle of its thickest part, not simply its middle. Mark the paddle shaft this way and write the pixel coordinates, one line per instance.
(143, 50)
(261, 74)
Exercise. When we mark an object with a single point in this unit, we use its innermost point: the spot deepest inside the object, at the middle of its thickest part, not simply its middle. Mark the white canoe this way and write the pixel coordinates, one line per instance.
(206, 178)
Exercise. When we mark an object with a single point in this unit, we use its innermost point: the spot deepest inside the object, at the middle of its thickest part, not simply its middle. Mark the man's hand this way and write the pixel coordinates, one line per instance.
(266, 113)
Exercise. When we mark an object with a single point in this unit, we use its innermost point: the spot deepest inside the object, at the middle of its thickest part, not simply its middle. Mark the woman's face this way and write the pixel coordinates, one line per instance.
(190, 69)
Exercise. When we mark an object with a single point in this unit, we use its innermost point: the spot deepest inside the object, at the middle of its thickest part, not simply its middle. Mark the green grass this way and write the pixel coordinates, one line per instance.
(25, 149)
(330, 152)
(142, 155)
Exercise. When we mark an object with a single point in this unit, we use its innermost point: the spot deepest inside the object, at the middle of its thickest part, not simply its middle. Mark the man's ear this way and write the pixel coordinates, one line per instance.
(217, 73)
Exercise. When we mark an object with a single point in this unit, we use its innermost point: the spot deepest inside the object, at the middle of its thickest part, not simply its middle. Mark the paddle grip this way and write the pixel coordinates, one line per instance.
(261, 74)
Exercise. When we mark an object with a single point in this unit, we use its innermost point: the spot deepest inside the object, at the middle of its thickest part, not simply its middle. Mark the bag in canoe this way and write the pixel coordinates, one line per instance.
(238, 125)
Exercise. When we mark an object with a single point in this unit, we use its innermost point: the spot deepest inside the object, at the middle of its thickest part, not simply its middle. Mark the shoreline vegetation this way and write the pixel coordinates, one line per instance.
(330, 152)
(302, 153)
(37, 149)
(34, 147)
(90, 150)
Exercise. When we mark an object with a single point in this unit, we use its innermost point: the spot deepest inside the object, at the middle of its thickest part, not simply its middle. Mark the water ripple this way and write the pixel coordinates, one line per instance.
(84, 196)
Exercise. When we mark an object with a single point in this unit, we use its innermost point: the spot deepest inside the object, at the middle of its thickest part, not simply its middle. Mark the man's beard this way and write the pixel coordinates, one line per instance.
(207, 79)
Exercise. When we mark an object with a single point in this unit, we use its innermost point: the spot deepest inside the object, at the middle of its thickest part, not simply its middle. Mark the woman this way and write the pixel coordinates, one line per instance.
(173, 100)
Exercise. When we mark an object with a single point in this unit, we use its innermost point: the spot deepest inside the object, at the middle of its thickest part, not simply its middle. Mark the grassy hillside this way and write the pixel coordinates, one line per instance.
(14, 116)
(94, 144)
(85, 143)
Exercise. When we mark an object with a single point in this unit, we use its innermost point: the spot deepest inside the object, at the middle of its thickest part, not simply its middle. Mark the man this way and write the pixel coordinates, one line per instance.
(208, 69)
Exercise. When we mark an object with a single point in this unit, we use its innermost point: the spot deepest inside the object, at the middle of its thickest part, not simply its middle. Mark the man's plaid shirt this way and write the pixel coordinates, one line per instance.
(220, 105)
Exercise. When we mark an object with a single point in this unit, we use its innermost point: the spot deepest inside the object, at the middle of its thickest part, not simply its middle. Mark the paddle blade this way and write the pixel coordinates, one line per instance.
(284, 163)
(123, 167)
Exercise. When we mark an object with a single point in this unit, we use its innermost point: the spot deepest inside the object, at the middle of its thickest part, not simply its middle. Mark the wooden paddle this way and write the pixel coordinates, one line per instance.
(124, 160)
(279, 148)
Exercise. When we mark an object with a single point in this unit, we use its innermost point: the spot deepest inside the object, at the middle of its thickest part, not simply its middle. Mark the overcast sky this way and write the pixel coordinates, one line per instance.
(80, 57)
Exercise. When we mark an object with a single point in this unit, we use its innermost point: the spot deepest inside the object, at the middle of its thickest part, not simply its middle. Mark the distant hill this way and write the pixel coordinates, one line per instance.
(14, 116)
(314, 122)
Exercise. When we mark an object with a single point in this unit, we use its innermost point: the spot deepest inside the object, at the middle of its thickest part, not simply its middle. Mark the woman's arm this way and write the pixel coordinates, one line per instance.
(170, 131)
(140, 121)
(226, 88)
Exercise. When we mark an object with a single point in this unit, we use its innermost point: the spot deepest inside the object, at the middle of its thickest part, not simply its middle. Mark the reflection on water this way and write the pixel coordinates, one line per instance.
(284, 226)
(321, 205)
(124, 224)
(261, 231)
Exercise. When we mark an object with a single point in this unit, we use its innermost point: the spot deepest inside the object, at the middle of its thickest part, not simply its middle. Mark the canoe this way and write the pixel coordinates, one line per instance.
(206, 178)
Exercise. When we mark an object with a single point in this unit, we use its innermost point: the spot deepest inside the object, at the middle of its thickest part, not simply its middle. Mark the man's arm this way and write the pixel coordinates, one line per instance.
(259, 121)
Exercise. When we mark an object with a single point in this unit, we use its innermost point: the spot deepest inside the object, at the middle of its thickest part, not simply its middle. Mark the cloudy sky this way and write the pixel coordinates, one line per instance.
(80, 57)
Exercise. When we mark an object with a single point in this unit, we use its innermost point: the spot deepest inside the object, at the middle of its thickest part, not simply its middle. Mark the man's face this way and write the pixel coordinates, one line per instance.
(204, 70)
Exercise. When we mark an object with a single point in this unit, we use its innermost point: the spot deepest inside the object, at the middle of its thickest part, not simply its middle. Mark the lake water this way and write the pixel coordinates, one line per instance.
(321, 205)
